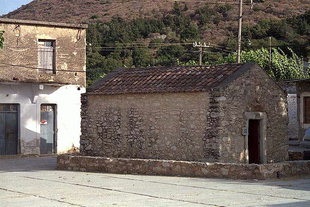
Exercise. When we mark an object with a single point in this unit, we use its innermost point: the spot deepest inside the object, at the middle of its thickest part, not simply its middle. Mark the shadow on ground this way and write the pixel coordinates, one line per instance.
(28, 164)
(294, 204)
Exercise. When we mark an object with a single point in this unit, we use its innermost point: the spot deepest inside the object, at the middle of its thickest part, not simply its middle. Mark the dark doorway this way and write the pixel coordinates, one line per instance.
(47, 129)
(8, 129)
(254, 141)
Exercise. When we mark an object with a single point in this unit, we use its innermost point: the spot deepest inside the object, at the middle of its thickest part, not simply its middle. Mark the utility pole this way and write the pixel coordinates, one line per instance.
(200, 46)
(239, 32)
(252, 4)
(270, 53)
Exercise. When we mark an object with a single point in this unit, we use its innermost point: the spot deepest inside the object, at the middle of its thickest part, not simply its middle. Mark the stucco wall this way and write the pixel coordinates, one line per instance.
(158, 126)
(30, 97)
(292, 114)
(21, 48)
(254, 91)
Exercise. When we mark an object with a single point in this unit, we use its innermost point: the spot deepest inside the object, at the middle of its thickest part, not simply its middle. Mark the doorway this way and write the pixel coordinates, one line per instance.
(48, 129)
(254, 141)
(9, 129)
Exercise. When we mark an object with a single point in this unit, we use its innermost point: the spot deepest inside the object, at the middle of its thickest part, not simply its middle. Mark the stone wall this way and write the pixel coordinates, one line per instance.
(196, 126)
(183, 168)
(253, 91)
(19, 56)
(156, 126)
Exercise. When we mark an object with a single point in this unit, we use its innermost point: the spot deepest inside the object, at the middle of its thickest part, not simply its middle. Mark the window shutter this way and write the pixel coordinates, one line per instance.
(46, 56)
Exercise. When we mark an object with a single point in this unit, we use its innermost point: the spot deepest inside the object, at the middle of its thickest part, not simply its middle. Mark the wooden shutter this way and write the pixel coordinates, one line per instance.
(46, 55)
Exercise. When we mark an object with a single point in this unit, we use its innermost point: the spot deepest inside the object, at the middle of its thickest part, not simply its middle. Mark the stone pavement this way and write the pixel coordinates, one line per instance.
(35, 182)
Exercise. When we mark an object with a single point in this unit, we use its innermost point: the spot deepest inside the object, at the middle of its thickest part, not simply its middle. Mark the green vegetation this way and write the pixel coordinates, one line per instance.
(167, 41)
(1, 39)
(278, 65)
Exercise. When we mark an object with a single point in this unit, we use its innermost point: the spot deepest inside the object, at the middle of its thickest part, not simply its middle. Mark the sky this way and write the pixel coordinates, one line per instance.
(7, 6)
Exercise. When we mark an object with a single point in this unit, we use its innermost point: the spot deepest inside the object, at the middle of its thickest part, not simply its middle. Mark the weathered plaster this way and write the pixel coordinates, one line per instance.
(19, 56)
(292, 114)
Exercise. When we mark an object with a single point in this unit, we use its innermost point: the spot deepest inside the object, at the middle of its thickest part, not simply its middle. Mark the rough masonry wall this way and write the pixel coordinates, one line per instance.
(254, 91)
(21, 49)
(157, 126)
(183, 168)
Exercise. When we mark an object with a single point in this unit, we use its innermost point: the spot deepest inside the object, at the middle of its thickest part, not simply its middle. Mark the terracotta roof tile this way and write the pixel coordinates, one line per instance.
(166, 79)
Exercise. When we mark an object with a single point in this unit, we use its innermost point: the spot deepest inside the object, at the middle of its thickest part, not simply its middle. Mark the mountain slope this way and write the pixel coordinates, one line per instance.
(82, 11)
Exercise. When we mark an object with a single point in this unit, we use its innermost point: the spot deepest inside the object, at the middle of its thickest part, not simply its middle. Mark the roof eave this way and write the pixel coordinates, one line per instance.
(42, 23)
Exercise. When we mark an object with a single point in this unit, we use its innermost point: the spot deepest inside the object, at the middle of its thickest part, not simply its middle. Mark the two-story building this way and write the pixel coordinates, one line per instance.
(42, 77)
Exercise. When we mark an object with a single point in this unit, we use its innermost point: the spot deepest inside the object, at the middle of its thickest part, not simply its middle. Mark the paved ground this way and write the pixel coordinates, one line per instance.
(34, 182)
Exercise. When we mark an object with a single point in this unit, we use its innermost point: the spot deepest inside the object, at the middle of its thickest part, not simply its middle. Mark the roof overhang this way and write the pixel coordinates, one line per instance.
(42, 23)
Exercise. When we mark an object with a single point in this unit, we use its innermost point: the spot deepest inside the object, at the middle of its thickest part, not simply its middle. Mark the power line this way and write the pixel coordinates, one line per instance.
(127, 46)
(36, 68)
(216, 3)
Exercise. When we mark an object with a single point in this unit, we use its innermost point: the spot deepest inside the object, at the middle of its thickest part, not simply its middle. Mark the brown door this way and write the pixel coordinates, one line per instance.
(254, 141)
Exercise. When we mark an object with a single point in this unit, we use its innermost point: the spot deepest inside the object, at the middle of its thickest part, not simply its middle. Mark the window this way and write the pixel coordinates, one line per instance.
(306, 109)
(46, 53)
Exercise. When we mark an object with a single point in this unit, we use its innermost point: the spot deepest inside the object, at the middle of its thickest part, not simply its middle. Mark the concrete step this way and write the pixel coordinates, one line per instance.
(307, 155)
(293, 143)
(298, 153)
(305, 144)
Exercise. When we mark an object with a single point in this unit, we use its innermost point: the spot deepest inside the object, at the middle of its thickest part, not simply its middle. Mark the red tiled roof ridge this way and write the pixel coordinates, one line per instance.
(179, 67)
(167, 79)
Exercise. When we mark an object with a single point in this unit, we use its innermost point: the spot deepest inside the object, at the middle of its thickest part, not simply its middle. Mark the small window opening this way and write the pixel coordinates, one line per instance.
(307, 110)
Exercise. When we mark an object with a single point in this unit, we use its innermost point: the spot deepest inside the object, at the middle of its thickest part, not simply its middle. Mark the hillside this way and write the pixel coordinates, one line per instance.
(77, 11)
(87, 11)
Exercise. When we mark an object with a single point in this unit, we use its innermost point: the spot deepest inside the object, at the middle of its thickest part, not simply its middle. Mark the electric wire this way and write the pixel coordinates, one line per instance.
(37, 68)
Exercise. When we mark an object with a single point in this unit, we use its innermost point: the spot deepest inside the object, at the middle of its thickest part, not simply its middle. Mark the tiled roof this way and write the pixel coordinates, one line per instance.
(167, 79)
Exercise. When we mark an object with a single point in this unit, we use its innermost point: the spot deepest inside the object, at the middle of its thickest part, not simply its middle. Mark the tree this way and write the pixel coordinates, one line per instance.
(190, 32)
(170, 55)
(141, 57)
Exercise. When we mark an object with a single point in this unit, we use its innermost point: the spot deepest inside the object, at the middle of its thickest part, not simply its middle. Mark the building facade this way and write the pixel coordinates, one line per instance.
(299, 108)
(231, 113)
(42, 77)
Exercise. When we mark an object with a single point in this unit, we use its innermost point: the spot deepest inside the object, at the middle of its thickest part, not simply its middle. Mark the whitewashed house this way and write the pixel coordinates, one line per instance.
(42, 76)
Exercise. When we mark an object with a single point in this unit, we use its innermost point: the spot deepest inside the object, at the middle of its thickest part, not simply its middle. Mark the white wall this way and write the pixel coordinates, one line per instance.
(30, 97)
